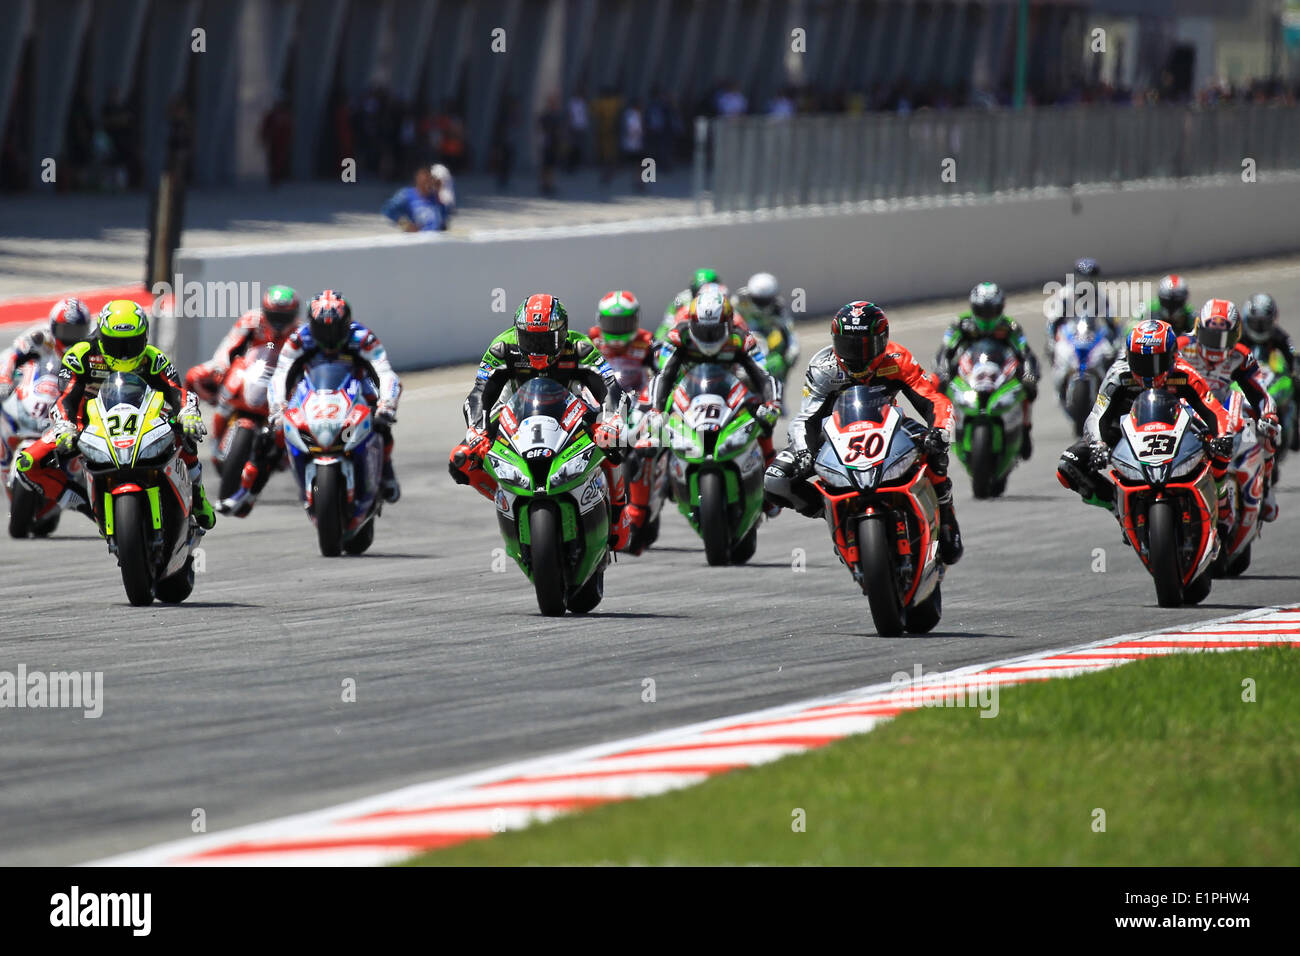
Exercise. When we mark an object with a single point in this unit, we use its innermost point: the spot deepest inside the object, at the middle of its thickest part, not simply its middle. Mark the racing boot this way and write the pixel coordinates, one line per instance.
(1268, 507)
(202, 508)
(950, 546)
(388, 483)
(465, 465)
(1026, 443)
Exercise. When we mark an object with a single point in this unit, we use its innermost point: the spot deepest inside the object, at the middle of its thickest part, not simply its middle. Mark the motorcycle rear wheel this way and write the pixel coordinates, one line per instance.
(1162, 546)
(1199, 589)
(1081, 401)
(129, 518)
(745, 548)
(548, 575)
(876, 561)
(327, 505)
(1238, 565)
(360, 542)
(232, 469)
(713, 518)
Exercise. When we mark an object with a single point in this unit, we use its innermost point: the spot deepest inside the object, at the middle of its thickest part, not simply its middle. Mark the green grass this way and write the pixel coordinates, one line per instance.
(1186, 772)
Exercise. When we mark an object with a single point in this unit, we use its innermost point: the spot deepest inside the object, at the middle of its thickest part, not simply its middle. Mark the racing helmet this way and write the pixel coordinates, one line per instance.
(1172, 293)
(123, 335)
(1152, 351)
(986, 304)
(70, 322)
(701, 278)
(762, 290)
(859, 336)
(541, 329)
(619, 315)
(1259, 318)
(330, 318)
(280, 308)
(710, 318)
(1217, 330)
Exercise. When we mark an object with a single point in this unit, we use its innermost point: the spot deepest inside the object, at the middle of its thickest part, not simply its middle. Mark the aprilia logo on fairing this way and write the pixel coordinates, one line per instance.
(83, 690)
(74, 909)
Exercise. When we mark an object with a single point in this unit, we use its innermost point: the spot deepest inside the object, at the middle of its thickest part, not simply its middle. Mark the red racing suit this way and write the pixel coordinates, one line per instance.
(252, 331)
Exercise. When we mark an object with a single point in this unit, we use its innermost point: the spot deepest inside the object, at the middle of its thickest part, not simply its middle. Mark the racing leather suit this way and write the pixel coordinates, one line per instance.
(786, 481)
(966, 332)
(33, 343)
(384, 389)
(740, 351)
(1115, 397)
(579, 363)
(633, 363)
(81, 376)
(1241, 367)
(252, 331)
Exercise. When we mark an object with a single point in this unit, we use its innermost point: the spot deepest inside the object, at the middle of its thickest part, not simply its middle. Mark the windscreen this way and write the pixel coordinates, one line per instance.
(862, 403)
(540, 396)
(329, 376)
(990, 350)
(123, 389)
(1156, 405)
(709, 380)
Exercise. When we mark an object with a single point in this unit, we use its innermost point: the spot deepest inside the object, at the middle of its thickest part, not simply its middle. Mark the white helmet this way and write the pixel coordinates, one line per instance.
(710, 320)
(762, 289)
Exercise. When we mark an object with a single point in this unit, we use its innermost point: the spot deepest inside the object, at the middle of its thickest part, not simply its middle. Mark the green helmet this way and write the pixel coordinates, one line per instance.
(123, 335)
(618, 314)
(986, 304)
(280, 307)
(702, 277)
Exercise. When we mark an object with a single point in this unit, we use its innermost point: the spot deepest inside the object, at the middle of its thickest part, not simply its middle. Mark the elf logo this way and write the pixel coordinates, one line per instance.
(102, 909)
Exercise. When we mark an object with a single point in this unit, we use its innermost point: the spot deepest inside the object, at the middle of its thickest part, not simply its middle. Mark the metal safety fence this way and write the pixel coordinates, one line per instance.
(757, 162)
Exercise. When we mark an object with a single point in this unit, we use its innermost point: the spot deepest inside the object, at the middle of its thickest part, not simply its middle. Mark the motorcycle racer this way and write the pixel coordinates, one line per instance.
(986, 319)
(1170, 305)
(540, 343)
(1214, 349)
(861, 353)
(710, 335)
(1082, 294)
(68, 323)
(331, 333)
(1260, 328)
(699, 279)
(1151, 360)
(119, 344)
(760, 306)
(272, 324)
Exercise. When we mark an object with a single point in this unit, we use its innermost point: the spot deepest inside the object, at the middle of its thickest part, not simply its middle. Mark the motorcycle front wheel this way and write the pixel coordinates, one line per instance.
(327, 506)
(544, 546)
(1162, 546)
(713, 518)
(879, 580)
(129, 518)
(232, 468)
(22, 509)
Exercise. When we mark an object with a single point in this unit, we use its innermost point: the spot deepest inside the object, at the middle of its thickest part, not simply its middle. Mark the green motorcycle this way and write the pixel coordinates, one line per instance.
(716, 466)
(552, 499)
(1272, 374)
(988, 401)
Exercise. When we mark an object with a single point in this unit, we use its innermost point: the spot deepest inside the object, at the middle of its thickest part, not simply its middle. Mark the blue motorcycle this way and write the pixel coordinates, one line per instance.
(1083, 352)
(336, 455)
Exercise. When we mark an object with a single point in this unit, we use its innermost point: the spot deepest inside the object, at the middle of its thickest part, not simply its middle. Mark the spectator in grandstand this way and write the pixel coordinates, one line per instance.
(418, 208)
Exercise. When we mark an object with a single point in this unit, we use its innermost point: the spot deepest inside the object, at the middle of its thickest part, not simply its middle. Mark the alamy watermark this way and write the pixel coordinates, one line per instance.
(76, 690)
(918, 689)
(209, 300)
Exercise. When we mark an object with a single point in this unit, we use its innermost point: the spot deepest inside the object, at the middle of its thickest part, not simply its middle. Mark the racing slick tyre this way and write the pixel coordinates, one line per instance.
(1162, 545)
(232, 468)
(745, 548)
(879, 579)
(360, 542)
(1080, 400)
(22, 508)
(588, 596)
(46, 526)
(713, 518)
(548, 575)
(327, 506)
(129, 519)
(177, 588)
(650, 533)
(922, 618)
(1199, 589)
(981, 461)
(1238, 565)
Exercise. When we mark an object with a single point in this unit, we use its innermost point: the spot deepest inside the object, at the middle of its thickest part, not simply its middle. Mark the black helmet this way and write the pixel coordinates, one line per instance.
(987, 301)
(859, 336)
(331, 320)
(1087, 268)
(1259, 317)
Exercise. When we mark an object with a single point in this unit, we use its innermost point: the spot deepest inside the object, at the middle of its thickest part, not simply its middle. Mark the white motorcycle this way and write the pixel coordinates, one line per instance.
(24, 417)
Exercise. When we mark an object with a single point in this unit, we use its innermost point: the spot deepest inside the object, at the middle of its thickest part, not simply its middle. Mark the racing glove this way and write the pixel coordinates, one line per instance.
(191, 423)
(65, 438)
(803, 463)
(385, 414)
(1098, 455)
(1220, 446)
(768, 414)
(1270, 430)
(936, 450)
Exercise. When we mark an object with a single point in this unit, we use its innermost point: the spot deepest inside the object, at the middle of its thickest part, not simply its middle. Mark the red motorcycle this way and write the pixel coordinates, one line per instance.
(241, 411)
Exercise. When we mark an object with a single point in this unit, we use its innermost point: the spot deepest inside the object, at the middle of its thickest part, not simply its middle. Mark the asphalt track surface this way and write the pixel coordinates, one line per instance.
(232, 703)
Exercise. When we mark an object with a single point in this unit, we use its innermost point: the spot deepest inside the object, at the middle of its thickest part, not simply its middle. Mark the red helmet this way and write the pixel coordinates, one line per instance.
(69, 322)
(1217, 330)
(330, 317)
(541, 329)
(1152, 348)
